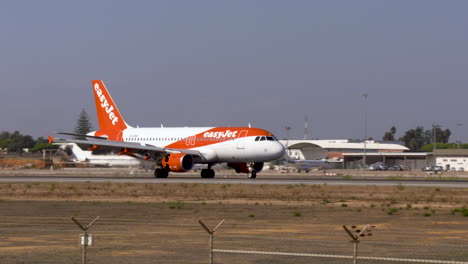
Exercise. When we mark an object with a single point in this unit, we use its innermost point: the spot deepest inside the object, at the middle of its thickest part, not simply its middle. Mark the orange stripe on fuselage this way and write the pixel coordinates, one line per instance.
(217, 135)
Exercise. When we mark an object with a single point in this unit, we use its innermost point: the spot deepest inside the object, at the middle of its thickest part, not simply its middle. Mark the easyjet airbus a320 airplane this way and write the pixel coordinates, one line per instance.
(244, 149)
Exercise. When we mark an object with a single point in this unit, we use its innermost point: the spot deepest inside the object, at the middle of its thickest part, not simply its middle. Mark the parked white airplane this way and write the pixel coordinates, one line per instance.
(307, 165)
(245, 149)
(87, 157)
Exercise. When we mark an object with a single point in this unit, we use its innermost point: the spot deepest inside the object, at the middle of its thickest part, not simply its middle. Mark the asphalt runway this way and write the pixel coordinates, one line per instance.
(261, 180)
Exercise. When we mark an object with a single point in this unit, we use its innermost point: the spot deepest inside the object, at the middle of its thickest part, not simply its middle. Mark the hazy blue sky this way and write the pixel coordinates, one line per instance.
(217, 63)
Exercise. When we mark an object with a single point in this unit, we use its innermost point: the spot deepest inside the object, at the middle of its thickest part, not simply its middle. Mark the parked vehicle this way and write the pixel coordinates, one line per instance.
(433, 168)
(382, 168)
(379, 166)
(428, 168)
(398, 168)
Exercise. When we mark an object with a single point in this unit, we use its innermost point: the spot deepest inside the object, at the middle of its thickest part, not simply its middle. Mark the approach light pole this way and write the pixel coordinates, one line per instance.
(459, 140)
(365, 95)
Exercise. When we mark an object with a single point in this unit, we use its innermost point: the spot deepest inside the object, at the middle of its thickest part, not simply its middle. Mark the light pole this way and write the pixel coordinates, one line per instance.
(365, 95)
(459, 140)
(434, 149)
(287, 128)
(306, 127)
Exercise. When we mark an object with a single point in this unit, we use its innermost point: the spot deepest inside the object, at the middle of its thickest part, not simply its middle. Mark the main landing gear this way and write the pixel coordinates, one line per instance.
(161, 173)
(207, 173)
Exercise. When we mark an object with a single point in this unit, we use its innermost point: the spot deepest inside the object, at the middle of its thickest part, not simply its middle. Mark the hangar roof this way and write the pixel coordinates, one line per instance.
(341, 144)
(452, 152)
(389, 154)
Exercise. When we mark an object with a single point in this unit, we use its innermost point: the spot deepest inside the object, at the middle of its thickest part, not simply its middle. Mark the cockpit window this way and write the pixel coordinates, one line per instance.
(265, 138)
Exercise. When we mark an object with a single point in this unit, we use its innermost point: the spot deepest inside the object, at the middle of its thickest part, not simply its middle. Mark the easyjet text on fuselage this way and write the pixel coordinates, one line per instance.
(225, 134)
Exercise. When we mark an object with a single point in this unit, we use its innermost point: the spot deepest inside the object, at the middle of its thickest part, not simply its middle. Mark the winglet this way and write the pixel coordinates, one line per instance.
(51, 139)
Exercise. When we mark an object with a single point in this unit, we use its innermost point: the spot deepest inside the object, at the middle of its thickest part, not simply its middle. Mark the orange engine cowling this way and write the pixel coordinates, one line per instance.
(244, 167)
(178, 162)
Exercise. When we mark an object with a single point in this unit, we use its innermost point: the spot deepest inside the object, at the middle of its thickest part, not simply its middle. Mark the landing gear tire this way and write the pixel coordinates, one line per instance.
(207, 173)
(252, 174)
(161, 173)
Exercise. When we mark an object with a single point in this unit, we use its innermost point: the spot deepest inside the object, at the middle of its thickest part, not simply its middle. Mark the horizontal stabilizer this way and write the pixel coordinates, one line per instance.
(79, 135)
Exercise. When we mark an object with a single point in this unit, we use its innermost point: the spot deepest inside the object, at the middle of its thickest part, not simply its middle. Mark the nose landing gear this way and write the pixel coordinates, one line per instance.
(252, 174)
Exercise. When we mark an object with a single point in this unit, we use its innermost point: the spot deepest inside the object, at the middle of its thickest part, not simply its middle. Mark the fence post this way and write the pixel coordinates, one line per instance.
(85, 238)
(211, 233)
(366, 231)
(355, 252)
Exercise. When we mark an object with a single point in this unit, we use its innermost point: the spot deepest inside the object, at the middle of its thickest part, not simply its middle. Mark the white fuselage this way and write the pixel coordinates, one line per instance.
(228, 146)
(87, 157)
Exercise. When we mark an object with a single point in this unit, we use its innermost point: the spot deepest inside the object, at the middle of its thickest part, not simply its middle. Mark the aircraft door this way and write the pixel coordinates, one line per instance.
(190, 141)
(120, 136)
(241, 142)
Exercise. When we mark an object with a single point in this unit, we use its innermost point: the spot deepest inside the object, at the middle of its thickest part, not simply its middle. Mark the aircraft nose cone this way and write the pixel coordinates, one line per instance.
(279, 150)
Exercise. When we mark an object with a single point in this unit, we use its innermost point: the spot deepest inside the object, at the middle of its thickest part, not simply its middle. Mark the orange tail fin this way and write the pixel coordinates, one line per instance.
(109, 116)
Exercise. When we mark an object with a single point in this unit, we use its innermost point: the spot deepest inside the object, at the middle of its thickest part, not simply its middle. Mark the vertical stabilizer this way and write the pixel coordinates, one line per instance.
(109, 116)
(76, 152)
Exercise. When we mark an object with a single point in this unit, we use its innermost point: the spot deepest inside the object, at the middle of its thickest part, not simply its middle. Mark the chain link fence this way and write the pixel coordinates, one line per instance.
(191, 244)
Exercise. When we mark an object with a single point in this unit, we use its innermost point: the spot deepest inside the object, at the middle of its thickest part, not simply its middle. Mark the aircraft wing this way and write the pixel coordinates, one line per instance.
(132, 147)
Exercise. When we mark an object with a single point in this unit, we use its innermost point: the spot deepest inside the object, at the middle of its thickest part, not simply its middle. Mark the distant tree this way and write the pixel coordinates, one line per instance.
(5, 135)
(430, 147)
(414, 139)
(390, 135)
(17, 142)
(42, 143)
(5, 140)
(4, 143)
(442, 136)
(83, 125)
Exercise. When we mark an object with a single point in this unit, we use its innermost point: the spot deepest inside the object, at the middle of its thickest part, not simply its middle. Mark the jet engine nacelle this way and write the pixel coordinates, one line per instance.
(178, 162)
(244, 167)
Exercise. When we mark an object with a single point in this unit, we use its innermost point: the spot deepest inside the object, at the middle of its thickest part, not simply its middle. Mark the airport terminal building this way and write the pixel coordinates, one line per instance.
(452, 159)
(348, 154)
(334, 149)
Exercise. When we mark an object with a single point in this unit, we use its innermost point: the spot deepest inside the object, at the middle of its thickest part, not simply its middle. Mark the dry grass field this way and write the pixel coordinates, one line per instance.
(35, 218)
